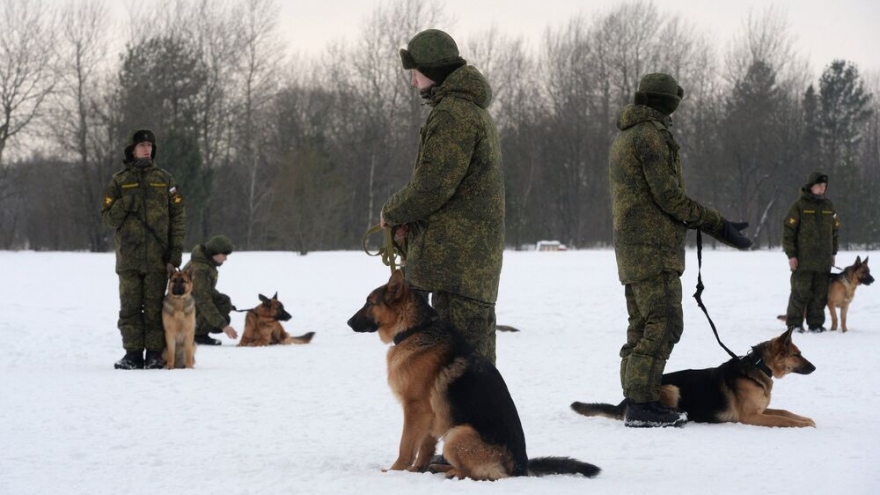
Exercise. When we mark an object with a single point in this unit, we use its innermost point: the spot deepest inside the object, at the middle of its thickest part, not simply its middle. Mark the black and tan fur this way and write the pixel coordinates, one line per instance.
(842, 289)
(448, 391)
(262, 325)
(738, 391)
(179, 321)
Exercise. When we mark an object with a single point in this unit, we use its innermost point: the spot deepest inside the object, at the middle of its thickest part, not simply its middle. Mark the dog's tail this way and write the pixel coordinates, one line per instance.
(506, 328)
(302, 339)
(604, 410)
(541, 466)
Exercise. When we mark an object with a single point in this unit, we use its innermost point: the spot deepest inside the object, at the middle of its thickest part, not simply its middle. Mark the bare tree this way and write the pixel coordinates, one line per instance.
(81, 52)
(27, 75)
(257, 69)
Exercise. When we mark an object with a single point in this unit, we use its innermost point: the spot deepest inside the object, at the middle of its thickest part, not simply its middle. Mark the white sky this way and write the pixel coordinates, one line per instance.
(823, 30)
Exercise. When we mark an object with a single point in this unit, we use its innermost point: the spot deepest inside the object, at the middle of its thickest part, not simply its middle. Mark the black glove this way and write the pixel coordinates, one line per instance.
(731, 234)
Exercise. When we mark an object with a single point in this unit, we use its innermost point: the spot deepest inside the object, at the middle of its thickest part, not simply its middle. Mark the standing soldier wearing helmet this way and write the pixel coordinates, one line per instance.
(452, 209)
(652, 214)
(809, 238)
(144, 206)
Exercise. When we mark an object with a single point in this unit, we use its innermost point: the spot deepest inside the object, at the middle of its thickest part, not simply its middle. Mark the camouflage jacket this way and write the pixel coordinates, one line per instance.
(205, 276)
(454, 202)
(148, 213)
(651, 210)
(810, 232)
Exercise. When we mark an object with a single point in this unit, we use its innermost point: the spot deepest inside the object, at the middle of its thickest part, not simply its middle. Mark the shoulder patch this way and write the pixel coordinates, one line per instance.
(108, 201)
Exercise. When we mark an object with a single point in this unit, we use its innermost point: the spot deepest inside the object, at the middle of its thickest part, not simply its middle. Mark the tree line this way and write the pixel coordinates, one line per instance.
(300, 153)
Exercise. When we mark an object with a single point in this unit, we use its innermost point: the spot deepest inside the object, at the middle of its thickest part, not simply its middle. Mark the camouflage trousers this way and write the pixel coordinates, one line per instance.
(809, 293)
(655, 326)
(224, 307)
(474, 319)
(140, 310)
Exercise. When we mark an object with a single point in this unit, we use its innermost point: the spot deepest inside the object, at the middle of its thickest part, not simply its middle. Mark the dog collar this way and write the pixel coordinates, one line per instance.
(400, 337)
(758, 362)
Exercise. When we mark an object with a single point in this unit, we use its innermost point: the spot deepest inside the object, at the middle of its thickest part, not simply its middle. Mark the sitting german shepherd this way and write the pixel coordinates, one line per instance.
(738, 391)
(262, 325)
(179, 321)
(449, 391)
(842, 289)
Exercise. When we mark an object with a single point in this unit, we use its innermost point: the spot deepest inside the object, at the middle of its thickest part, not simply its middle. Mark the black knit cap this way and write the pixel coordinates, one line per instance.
(433, 53)
(140, 136)
(816, 178)
(659, 91)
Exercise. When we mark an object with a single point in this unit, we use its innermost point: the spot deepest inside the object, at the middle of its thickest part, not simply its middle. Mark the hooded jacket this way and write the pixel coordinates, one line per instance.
(810, 230)
(144, 205)
(651, 211)
(454, 202)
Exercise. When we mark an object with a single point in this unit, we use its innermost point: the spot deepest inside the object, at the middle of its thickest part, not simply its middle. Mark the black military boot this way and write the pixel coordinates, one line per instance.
(652, 415)
(133, 360)
(798, 328)
(817, 328)
(154, 361)
(206, 340)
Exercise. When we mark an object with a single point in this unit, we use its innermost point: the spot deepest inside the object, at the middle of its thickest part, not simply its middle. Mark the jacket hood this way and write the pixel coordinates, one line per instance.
(466, 83)
(199, 255)
(636, 114)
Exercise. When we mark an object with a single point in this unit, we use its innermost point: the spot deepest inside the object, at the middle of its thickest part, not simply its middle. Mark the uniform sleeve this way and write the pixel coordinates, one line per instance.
(177, 220)
(666, 189)
(446, 155)
(790, 232)
(834, 232)
(113, 212)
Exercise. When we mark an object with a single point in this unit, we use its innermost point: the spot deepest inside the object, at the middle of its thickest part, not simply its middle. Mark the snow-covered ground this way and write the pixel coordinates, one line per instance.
(320, 419)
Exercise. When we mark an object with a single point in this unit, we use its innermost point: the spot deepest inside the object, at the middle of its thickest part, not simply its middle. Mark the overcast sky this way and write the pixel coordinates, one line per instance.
(823, 30)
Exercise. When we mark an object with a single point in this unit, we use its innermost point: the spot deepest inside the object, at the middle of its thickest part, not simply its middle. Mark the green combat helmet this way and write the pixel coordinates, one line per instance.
(433, 53)
(660, 92)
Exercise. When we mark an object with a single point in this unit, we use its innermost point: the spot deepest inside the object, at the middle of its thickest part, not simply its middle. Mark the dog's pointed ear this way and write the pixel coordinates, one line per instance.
(264, 299)
(275, 297)
(859, 261)
(189, 272)
(785, 338)
(396, 286)
(866, 261)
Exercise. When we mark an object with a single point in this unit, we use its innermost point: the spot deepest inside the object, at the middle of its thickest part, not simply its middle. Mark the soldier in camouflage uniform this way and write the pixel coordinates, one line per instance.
(652, 214)
(212, 307)
(142, 203)
(809, 238)
(453, 206)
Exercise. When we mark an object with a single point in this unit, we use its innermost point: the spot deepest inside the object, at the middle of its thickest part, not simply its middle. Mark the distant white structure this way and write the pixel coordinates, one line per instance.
(550, 246)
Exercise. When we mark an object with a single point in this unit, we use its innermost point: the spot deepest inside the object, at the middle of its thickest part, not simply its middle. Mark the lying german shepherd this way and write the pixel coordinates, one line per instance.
(738, 391)
(842, 289)
(179, 320)
(262, 325)
(450, 392)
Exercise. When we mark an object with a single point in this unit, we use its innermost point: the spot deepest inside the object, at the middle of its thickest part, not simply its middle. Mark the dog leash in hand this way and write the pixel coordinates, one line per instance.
(699, 293)
(389, 251)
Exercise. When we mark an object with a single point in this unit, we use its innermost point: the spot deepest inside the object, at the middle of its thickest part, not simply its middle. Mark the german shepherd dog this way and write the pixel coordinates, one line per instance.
(738, 391)
(450, 392)
(262, 325)
(842, 289)
(179, 320)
